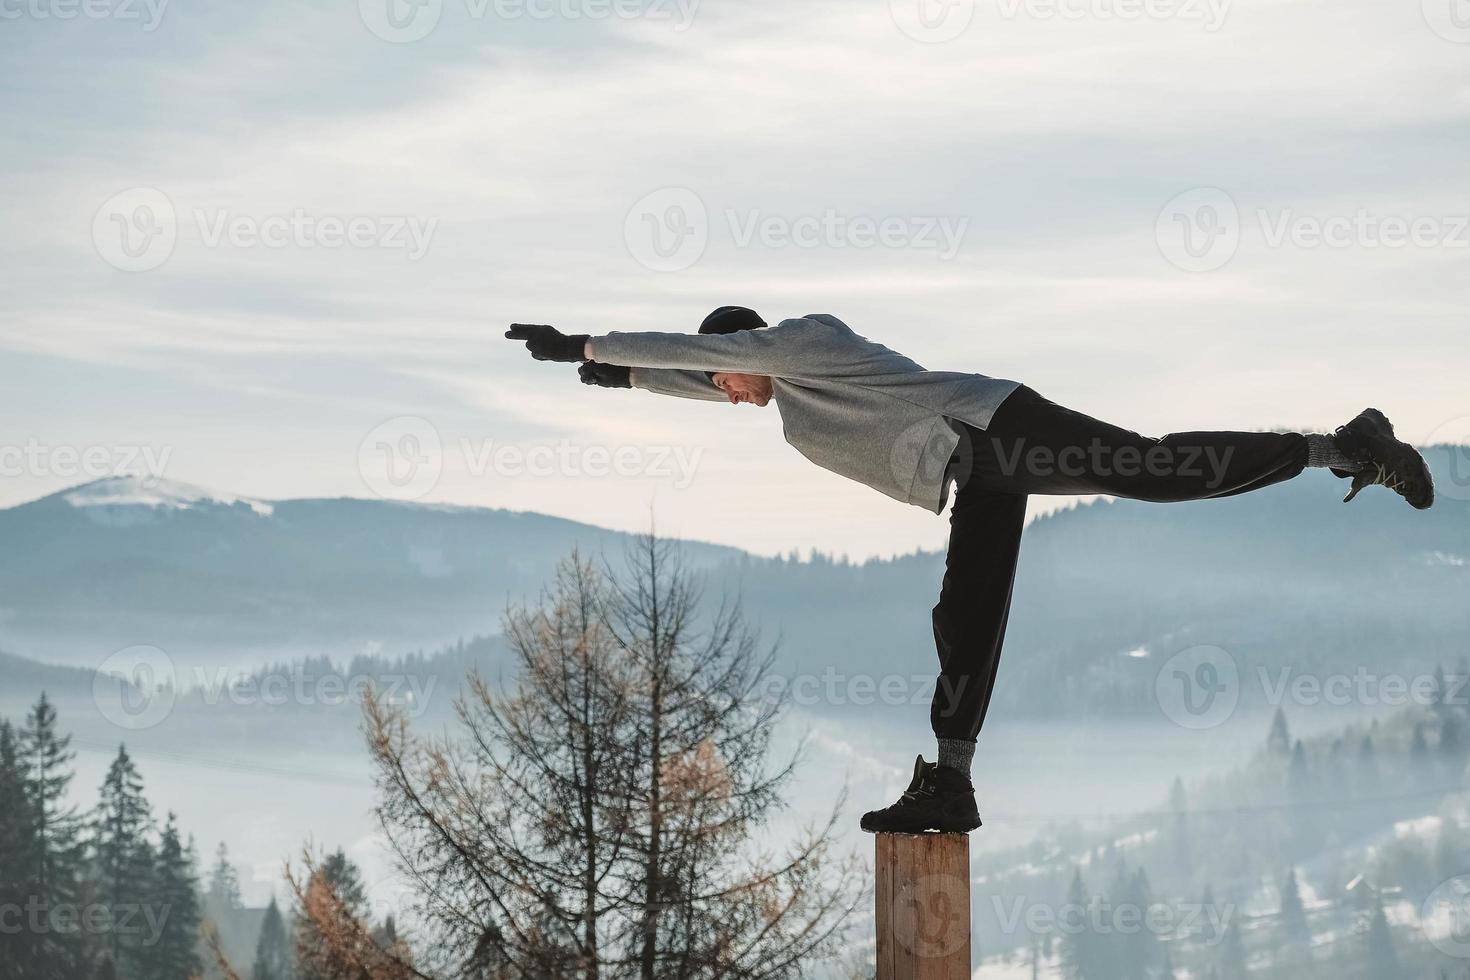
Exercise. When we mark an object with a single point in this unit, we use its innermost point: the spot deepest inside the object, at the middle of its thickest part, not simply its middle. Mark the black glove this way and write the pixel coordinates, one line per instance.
(548, 343)
(605, 375)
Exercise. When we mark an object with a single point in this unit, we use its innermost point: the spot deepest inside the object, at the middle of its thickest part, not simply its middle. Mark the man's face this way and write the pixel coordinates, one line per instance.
(752, 389)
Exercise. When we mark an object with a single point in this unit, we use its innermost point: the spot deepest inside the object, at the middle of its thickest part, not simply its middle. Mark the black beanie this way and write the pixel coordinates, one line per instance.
(728, 319)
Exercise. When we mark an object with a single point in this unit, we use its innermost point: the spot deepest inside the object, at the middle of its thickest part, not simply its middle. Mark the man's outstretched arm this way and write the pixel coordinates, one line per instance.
(682, 384)
(792, 348)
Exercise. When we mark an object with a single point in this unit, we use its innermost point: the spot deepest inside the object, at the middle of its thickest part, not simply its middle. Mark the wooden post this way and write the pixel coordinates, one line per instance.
(921, 889)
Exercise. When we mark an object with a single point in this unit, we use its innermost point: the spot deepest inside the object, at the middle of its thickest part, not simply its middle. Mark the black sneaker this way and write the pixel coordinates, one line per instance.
(1387, 461)
(938, 798)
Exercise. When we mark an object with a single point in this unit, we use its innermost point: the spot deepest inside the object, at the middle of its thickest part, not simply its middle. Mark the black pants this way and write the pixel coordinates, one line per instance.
(1035, 446)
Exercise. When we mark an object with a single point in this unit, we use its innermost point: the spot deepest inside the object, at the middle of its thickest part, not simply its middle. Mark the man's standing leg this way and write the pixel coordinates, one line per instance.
(969, 627)
(971, 615)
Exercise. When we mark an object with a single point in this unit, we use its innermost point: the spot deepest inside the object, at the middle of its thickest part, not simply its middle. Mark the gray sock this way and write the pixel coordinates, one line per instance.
(1322, 451)
(956, 753)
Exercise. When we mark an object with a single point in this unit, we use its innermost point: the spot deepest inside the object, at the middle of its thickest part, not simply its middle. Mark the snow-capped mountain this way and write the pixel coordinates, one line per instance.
(130, 560)
(124, 500)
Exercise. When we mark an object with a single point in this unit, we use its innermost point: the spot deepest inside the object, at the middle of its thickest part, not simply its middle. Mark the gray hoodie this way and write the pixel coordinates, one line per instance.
(847, 404)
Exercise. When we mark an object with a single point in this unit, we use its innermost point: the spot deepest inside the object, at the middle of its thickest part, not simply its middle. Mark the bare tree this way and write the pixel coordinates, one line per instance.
(598, 820)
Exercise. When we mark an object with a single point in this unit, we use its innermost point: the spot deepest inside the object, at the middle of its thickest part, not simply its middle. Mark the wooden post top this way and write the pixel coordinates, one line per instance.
(921, 892)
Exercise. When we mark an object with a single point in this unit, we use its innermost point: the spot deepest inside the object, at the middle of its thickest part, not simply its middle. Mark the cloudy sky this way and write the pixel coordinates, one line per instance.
(270, 247)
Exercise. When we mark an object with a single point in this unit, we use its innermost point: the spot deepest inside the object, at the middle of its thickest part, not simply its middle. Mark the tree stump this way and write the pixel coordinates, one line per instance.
(921, 890)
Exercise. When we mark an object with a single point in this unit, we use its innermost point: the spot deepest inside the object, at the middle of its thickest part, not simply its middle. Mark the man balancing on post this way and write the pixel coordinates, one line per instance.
(861, 410)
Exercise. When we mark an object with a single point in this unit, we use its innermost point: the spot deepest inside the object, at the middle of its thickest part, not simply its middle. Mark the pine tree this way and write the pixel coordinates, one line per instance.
(1138, 950)
(122, 859)
(1382, 959)
(223, 894)
(1294, 928)
(1179, 807)
(56, 850)
(173, 955)
(1278, 742)
(1232, 954)
(1074, 953)
(314, 960)
(273, 948)
(18, 952)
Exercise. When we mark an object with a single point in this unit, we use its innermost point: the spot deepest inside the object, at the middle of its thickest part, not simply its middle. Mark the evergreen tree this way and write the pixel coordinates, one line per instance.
(1278, 742)
(18, 947)
(55, 884)
(1382, 959)
(1232, 954)
(1138, 949)
(1179, 806)
(344, 880)
(1419, 747)
(1074, 953)
(173, 954)
(122, 859)
(1294, 928)
(273, 948)
(223, 894)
